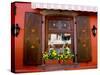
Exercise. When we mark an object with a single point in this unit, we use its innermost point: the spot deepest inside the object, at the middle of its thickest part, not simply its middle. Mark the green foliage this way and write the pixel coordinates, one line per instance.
(60, 57)
(53, 54)
(45, 56)
(67, 54)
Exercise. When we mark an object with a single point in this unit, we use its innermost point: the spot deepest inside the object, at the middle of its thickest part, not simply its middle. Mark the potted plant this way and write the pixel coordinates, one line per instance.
(50, 57)
(67, 56)
(53, 56)
(45, 57)
(60, 58)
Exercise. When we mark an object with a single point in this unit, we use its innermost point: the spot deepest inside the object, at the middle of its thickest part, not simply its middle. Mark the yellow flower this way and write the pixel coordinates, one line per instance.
(54, 53)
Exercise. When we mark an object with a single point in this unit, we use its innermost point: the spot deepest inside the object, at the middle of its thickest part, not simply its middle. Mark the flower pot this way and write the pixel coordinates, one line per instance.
(51, 61)
(68, 61)
(60, 61)
(54, 61)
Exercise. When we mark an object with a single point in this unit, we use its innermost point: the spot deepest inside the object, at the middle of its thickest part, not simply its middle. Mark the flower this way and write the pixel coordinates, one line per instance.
(45, 56)
(68, 54)
(52, 54)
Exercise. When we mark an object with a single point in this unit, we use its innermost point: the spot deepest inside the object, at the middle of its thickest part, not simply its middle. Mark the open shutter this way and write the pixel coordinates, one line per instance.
(83, 39)
(32, 39)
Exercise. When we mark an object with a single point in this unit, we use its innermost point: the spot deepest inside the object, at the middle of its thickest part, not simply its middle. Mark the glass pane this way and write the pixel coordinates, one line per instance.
(59, 24)
(57, 41)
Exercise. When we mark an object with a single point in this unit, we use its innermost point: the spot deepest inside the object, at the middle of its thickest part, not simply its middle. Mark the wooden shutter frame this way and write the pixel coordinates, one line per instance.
(90, 57)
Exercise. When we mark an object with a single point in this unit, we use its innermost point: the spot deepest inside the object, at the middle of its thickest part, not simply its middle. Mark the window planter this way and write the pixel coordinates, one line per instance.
(68, 61)
(64, 58)
(51, 61)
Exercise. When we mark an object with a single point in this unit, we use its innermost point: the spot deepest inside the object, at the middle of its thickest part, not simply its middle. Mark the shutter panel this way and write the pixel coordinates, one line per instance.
(83, 39)
(32, 39)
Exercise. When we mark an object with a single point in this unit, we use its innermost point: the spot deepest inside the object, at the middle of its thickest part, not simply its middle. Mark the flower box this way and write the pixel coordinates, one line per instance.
(68, 61)
(51, 61)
